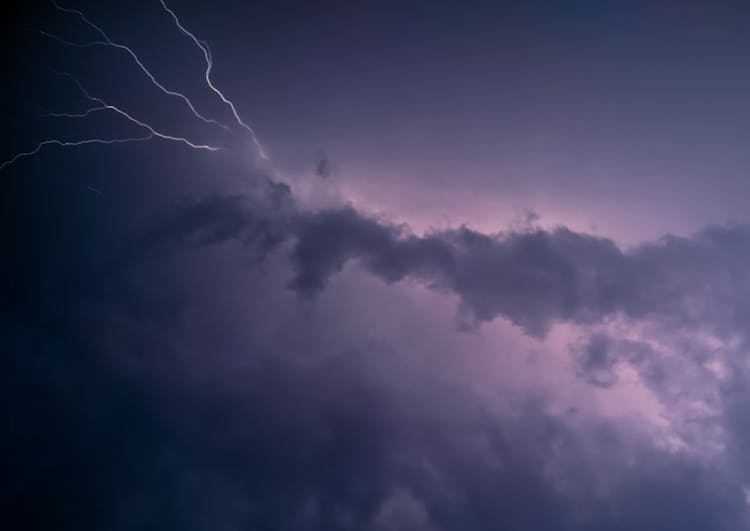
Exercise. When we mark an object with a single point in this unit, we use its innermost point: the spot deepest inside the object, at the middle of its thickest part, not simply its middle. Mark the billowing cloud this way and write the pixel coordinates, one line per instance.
(143, 411)
(531, 277)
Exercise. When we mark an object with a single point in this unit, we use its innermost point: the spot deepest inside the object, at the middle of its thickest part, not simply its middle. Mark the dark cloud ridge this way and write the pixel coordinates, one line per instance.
(339, 445)
(531, 277)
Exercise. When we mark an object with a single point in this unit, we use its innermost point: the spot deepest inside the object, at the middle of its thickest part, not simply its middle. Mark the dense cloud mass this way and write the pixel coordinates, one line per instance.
(215, 339)
(533, 278)
(109, 427)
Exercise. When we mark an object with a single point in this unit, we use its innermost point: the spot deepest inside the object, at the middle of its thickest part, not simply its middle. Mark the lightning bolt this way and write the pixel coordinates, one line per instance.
(100, 105)
(203, 45)
(63, 143)
(110, 43)
(104, 106)
(151, 132)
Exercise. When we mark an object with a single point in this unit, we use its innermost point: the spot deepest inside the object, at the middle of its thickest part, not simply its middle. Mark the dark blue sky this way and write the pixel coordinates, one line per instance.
(491, 273)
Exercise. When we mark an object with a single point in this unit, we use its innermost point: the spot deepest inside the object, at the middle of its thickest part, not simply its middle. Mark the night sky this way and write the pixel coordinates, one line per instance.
(375, 265)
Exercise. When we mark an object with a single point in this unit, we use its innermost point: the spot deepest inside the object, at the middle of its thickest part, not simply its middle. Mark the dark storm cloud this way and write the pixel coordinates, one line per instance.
(329, 447)
(597, 355)
(536, 277)
(531, 277)
(330, 461)
(338, 446)
(258, 219)
(596, 361)
(362, 440)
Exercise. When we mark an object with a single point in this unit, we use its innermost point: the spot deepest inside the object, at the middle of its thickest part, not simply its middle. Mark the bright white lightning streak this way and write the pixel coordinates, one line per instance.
(109, 42)
(83, 114)
(209, 66)
(103, 105)
(74, 143)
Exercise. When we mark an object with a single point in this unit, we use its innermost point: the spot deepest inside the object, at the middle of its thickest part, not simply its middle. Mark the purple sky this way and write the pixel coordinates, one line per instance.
(383, 266)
